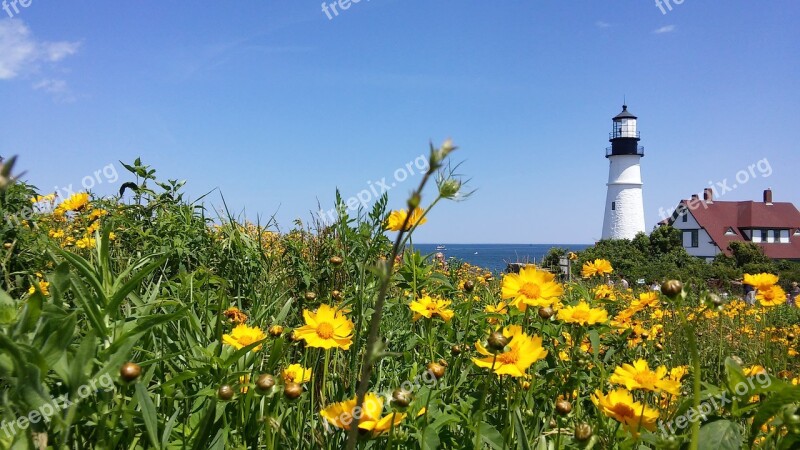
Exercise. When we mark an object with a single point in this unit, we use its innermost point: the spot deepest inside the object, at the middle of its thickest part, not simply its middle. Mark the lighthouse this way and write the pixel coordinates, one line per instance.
(624, 207)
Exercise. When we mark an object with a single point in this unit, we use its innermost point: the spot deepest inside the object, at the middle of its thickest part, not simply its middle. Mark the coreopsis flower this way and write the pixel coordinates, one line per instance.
(645, 300)
(530, 287)
(43, 288)
(499, 309)
(75, 202)
(326, 328)
(771, 296)
(677, 373)
(523, 351)
(97, 213)
(572, 256)
(597, 267)
(582, 314)
(754, 370)
(297, 374)
(761, 281)
(85, 242)
(398, 217)
(235, 315)
(341, 415)
(639, 376)
(604, 292)
(620, 406)
(243, 335)
(428, 307)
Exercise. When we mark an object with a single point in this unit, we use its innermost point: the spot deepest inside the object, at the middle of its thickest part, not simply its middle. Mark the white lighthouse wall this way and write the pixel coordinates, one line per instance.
(624, 207)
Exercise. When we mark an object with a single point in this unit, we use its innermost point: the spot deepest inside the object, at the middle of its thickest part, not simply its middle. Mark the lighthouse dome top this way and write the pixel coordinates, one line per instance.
(625, 114)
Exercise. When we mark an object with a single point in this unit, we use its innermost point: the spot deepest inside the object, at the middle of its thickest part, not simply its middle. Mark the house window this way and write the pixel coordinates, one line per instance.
(685, 217)
(784, 237)
(730, 232)
(769, 234)
(756, 236)
(613, 206)
(691, 239)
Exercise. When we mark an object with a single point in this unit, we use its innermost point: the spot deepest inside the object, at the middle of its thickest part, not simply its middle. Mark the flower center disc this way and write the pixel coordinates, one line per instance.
(624, 410)
(509, 357)
(531, 290)
(325, 330)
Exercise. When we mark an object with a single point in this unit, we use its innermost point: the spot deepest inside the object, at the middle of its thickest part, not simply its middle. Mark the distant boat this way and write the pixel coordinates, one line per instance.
(440, 247)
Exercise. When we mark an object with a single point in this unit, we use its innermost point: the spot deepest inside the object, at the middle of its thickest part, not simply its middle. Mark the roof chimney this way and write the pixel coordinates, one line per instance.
(768, 196)
(695, 197)
(708, 195)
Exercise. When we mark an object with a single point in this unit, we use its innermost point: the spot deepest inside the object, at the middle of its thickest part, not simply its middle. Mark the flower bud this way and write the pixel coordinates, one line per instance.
(336, 295)
(436, 369)
(310, 296)
(130, 371)
(265, 382)
(336, 260)
(546, 312)
(497, 342)
(583, 432)
(225, 392)
(563, 407)
(275, 330)
(414, 201)
(292, 390)
(401, 398)
(672, 288)
(469, 286)
(449, 187)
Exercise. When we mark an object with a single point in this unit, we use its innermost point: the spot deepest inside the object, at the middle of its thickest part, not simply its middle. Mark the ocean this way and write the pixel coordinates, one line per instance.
(495, 257)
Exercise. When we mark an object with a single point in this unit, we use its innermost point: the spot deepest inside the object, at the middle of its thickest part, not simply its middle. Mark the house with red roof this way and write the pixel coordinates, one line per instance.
(708, 226)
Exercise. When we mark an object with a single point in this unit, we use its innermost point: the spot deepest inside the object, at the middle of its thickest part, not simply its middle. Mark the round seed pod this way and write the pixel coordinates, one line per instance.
(546, 312)
(583, 432)
(265, 382)
(672, 288)
(436, 369)
(292, 390)
(563, 407)
(336, 260)
(225, 392)
(310, 296)
(497, 342)
(401, 398)
(130, 371)
(469, 286)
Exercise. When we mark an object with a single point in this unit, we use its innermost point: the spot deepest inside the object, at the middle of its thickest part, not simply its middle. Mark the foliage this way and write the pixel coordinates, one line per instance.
(150, 278)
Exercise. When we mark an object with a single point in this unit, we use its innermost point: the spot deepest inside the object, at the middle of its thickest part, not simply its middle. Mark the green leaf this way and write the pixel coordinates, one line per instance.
(771, 406)
(491, 436)
(8, 309)
(30, 314)
(522, 435)
(720, 435)
(122, 290)
(149, 414)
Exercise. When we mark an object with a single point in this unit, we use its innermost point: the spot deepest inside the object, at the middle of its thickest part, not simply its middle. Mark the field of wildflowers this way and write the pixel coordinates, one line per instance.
(150, 323)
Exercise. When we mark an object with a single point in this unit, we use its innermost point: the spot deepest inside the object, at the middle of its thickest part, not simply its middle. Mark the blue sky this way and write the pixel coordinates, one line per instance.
(276, 105)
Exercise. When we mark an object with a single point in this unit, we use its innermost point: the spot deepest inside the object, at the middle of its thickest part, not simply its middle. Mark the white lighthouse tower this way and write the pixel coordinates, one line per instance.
(624, 208)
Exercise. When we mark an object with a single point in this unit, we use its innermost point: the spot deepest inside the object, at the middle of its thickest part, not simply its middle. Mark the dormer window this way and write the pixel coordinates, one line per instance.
(730, 232)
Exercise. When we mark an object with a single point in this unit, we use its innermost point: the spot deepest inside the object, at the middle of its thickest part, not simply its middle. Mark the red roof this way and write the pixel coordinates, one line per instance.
(718, 217)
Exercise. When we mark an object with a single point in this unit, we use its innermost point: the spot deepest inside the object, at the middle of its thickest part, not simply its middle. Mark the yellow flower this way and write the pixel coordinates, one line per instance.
(235, 315)
(428, 307)
(572, 256)
(56, 234)
(327, 328)
(597, 267)
(76, 202)
(771, 296)
(582, 314)
(297, 373)
(604, 292)
(530, 287)
(97, 213)
(498, 309)
(677, 373)
(645, 299)
(43, 288)
(619, 405)
(397, 219)
(523, 351)
(243, 335)
(761, 281)
(341, 415)
(85, 242)
(244, 381)
(754, 370)
(639, 376)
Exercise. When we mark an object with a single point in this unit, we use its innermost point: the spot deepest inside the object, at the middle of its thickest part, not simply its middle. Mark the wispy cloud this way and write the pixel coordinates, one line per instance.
(665, 29)
(21, 55)
(601, 24)
(58, 88)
